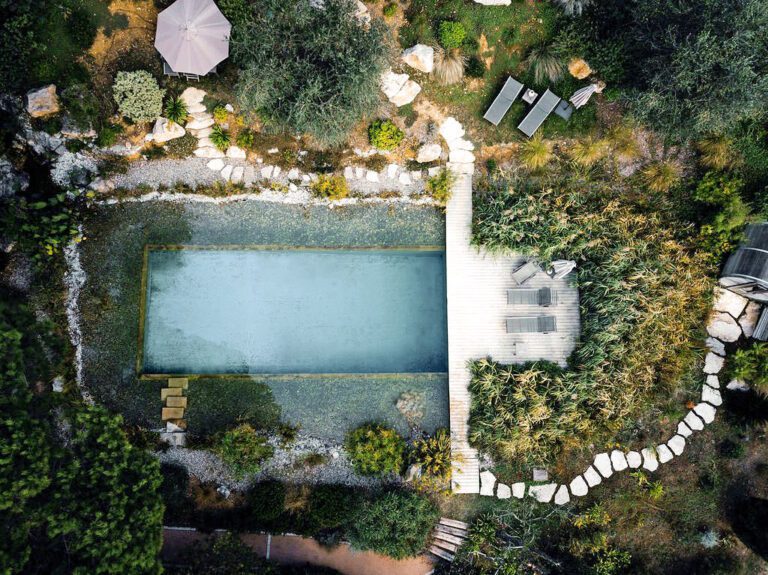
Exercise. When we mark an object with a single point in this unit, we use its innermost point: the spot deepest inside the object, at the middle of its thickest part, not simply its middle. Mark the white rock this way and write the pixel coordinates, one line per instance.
(713, 381)
(236, 153)
(42, 102)
(196, 109)
(226, 172)
(237, 174)
(737, 385)
(451, 129)
(706, 412)
(272, 151)
(305, 178)
(592, 476)
(359, 173)
(693, 421)
(266, 172)
(715, 346)
(487, 483)
(579, 487)
(276, 171)
(205, 143)
(542, 493)
(634, 459)
(294, 174)
(416, 175)
(650, 459)
(618, 460)
(729, 302)
(349, 173)
(711, 396)
(603, 464)
(229, 108)
(540, 474)
(684, 430)
(216, 165)
(171, 427)
(677, 444)
(250, 175)
(561, 496)
(148, 138)
(372, 176)
(748, 319)
(192, 96)
(200, 123)
(209, 152)
(723, 327)
(407, 94)
(421, 57)
(428, 153)
(665, 454)
(57, 384)
(293, 187)
(461, 156)
(202, 133)
(460, 144)
(518, 490)
(434, 171)
(392, 171)
(165, 130)
(713, 363)
(503, 491)
(392, 83)
(404, 179)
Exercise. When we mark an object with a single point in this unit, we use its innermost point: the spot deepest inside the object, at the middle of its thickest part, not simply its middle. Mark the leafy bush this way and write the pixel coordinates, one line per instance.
(246, 138)
(449, 68)
(81, 27)
(726, 213)
(225, 554)
(546, 63)
(138, 96)
(176, 110)
(385, 135)
(333, 506)
(751, 365)
(220, 114)
(107, 136)
(661, 176)
(375, 450)
(390, 10)
(433, 455)
(323, 80)
(330, 187)
(440, 186)
(451, 34)
(397, 524)
(242, 449)
(181, 147)
(220, 138)
(536, 152)
(266, 501)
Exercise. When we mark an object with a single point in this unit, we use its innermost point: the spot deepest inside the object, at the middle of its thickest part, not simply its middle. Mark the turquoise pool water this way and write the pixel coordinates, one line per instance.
(293, 311)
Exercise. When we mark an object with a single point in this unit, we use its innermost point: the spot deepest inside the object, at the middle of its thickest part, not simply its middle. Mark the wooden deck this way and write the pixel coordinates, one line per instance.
(477, 309)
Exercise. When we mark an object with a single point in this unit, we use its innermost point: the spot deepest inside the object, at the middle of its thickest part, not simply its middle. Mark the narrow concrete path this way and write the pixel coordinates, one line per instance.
(294, 550)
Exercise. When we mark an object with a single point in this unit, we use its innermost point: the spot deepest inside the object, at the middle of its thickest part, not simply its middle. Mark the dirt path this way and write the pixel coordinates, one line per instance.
(299, 550)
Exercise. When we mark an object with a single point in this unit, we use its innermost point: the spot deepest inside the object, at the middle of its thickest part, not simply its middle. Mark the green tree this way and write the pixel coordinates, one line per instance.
(309, 70)
(138, 96)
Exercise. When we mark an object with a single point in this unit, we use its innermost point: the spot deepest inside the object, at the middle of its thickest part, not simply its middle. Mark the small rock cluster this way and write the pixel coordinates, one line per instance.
(399, 88)
(461, 160)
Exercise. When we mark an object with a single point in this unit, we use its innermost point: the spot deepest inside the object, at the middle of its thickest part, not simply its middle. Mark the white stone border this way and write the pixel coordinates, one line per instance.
(74, 279)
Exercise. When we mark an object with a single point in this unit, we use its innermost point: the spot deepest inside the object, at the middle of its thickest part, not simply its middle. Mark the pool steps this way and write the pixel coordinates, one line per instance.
(174, 407)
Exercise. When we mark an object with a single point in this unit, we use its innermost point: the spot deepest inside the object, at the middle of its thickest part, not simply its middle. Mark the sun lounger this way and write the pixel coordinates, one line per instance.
(525, 272)
(503, 101)
(532, 324)
(761, 329)
(535, 118)
(529, 296)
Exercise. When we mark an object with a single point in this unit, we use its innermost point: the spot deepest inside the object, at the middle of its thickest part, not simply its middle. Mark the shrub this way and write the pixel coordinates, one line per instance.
(449, 68)
(176, 110)
(330, 187)
(375, 450)
(181, 147)
(475, 67)
(397, 524)
(451, 34)
(536, 152)
(81, 105)
(433, 455)
(220, 114)
(546, 64)
(138, 96)
(108, 135)
(82, 27)
(246, 138)
(751, 365)
(440, 186)
(224, 554)
(333, 506)
(385, 135)
(587, 151)
(661, 176)
(220, 137)
(266, 501)
(323, 80)
(242, 449)
(718, 152)
(390, 10)
(722, 228)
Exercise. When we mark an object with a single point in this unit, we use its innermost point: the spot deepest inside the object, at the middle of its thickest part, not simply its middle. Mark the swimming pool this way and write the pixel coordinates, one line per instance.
(278, 310)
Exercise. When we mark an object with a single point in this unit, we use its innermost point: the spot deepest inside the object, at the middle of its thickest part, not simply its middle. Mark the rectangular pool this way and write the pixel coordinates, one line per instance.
(294, 311)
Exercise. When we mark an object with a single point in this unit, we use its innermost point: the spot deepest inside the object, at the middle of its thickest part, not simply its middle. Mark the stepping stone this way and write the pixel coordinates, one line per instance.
(562, 497)
(172, 413)
(711, 396)
(404, 179)
(461, 157)
(226, 172)
(518, 490)
(706, 412)
(451, 129)
(349, 173)
(209, 152)
(713, 381)
(216, 165)
(542, 493)
(294, 174)
(592, 476)
(729, 302)
(181, 382)
(650, 459)
(237, 174)
(197, 108)
(693, 421)
(199, 124)
(487, 483)
(168, 391)
(634, 459)
(677, 444)
(715, 346)
(178, 439)
(540, 474)
(176, 401)
(172, 426)
(579, 487)
(713, 363)
(205, 142)
(460, 144)
(723, 327)
(202, 133)
(192, 95)
(665, 453)
(236, 153)
(750, 317)
(503, 491)
(684, 430)
(603, 465)
(618, 460)
(372, 176)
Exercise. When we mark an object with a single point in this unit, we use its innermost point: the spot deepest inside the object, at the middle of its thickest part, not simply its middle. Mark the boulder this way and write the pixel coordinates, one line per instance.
(407, 94)
(451, 129)
(715, 346)
(413, 473)
(634, 459)
(579, 487)
(723, 327)
(372, 176)
(236, 153)
(266, 172)
(729, 302)
(43, 102)
(503, 491)
(677, 444)
(748, 319)
(711, 396)
(165, 130)
(249, 176)
(392, 83)
(349, 173)
(603, 464)
(294, 174)
(706, 412)
(421, 57)
(58, 384)
(518, 490)
(713, 364)
(542, 493)
(392, 171)
(428, 153)
(229, 108)
(487, 483)
(592, 477)
(618, 460)
(650, 459)
(196, 108)
(561, 496)
(12, 181)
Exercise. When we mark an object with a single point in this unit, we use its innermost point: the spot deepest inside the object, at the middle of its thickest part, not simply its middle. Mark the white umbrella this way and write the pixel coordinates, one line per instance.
(582, 96)
(192, 36)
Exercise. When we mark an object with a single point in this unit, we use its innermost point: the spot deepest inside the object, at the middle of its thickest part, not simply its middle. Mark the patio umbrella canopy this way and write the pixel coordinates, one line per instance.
(192, 36)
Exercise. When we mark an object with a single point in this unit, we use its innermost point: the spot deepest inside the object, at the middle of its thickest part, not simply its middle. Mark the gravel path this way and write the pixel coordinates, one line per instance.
(191, 171)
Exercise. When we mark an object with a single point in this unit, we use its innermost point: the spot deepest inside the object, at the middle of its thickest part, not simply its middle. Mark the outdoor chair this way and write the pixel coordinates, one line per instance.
(168, 71)
(525, 272)
(533, 324)
(535, 118)
(503, 102)
(530, 296)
